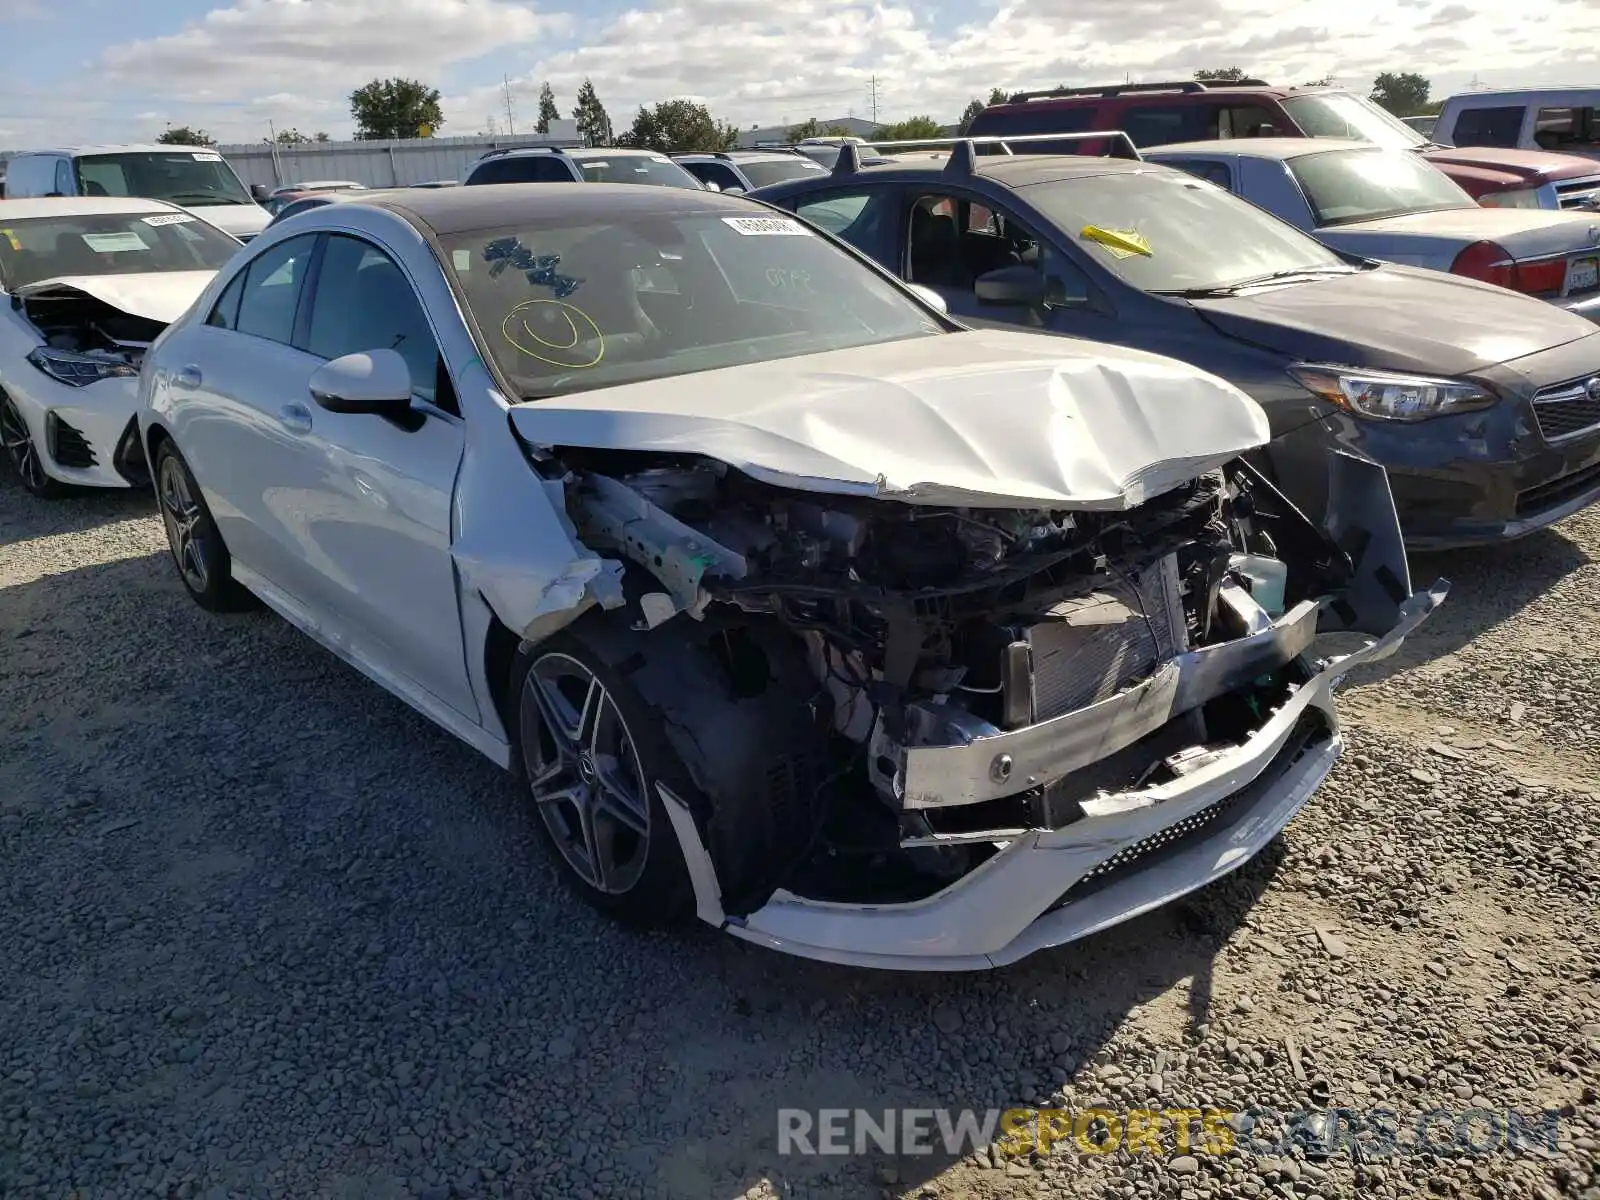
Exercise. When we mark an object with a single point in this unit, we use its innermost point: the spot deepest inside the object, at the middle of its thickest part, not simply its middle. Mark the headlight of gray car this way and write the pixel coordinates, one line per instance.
(1392, 397)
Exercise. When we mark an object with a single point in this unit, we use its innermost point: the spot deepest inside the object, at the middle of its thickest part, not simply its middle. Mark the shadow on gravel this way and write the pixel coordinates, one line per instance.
(24, 517)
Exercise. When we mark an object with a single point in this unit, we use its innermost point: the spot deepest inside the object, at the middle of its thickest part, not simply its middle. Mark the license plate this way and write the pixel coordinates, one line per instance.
(1583, 274)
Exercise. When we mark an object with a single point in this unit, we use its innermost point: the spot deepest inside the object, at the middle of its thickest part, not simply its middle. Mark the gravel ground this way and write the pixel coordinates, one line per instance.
(266, 932)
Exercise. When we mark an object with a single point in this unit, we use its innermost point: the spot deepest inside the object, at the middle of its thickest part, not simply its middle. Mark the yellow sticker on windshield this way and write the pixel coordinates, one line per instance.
(12, 238)
(1124, 243)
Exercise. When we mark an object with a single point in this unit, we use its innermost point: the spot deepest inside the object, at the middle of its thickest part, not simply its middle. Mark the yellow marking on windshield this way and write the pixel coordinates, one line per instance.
(1124, 243)
(522, 336)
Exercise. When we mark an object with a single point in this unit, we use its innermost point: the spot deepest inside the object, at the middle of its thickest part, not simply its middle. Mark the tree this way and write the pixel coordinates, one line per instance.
(675, 125)
(1405, 93)
(969, 114)
(809, 128)
(594, 125)
(185, 136)
(1001, 96)
(1220, 75)
(912, 129)
(547, 108)
(293, 137)
(395, 108)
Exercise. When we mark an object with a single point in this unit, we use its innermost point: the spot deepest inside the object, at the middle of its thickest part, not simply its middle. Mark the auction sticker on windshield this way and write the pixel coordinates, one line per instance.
(113, 243)
(769, 226)
(206, 156)
(169, 219)
(1583, 274)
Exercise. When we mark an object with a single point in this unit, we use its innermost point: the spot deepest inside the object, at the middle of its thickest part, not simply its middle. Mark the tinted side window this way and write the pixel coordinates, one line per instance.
(363, 301)
(272, 290)
(1245, 120)
(850, 215)
(1567, 129)
(63, 183)
(1488, 127)
(715, 173)
(1160, 124)
(525, 169)
(226, 314)
(1210, 169)
(1041, 117)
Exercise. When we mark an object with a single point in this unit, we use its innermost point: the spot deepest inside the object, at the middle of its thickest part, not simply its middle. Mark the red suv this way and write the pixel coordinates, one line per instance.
(1159, 114)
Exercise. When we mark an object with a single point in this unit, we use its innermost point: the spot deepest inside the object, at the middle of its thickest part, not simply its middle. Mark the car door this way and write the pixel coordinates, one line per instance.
(954, 237)
(368, 498)
(232, 377)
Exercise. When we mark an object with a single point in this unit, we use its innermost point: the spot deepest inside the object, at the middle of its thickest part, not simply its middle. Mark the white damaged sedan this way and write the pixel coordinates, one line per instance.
(793, 604)
(88, 284)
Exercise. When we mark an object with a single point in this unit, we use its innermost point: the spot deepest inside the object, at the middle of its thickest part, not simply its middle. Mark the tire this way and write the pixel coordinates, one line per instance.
(660, 710)
(23, 455)
(204, 564)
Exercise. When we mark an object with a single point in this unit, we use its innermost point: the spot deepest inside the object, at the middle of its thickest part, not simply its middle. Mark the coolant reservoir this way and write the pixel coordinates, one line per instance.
(1267, 578)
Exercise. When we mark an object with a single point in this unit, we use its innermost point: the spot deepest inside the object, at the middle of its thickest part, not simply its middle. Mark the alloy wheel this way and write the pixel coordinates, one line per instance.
(19, 447)
(182, 517)
(585, 774)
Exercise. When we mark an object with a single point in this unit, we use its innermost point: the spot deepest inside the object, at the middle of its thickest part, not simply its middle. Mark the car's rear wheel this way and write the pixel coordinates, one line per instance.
(23, 455)
(203, 562)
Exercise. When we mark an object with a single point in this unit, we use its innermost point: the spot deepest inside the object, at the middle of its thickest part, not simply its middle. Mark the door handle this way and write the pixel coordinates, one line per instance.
(296, 418)
(188, 376)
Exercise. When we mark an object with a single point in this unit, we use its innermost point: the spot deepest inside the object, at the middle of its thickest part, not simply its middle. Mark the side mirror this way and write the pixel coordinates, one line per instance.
(259, 192)
(711, 185)
(375, 381)
(1067, 293)
(734, 191)
(1015, 286)
(929, 297)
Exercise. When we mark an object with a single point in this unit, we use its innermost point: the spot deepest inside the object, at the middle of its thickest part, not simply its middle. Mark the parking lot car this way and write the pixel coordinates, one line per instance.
(1389, 205)
(796, 606)
(738, 171)
(1552, 119)
(85, 287)
(1484, 404)
(1157, 114)
(553, 164)
(195, 177)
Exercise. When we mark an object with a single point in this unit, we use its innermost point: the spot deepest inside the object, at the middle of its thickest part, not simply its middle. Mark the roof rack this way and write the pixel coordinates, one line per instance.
(500, 150)
(1120, 89)
(964, 150)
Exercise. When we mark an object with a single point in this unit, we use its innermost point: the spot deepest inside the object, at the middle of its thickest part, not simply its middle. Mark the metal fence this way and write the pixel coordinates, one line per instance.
(376, 164)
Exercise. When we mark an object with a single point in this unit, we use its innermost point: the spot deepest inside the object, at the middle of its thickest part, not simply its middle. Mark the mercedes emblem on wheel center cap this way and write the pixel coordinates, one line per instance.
(586, 767)
(1592, 389)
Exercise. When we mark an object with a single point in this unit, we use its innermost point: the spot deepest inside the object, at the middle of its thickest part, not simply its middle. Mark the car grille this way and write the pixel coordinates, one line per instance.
(1579, 193)
(1566, 410)
(68, 447)
(1309, 732)
(1541, 499)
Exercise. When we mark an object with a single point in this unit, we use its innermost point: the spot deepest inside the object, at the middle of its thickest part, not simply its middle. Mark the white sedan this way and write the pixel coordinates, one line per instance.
(1393, 206)
(86, 285)
(794, 605)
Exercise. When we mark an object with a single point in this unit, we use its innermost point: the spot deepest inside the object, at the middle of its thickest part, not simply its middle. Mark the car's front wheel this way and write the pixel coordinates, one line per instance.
(23, 455)
(593, 755)
(203, 562)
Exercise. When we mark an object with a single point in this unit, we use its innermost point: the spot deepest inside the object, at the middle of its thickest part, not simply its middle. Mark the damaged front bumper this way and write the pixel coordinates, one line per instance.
(1131, 852)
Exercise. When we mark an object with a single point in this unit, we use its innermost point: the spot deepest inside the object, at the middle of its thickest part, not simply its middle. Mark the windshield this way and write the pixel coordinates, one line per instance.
(567, 307)
(1187, 234)
(193, 178)
(761, 174)
(38, 248)
(635, 168)
(1343, 115)
(1363, 185)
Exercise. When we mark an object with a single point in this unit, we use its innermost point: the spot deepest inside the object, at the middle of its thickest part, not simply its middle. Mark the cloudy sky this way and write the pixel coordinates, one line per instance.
(121, 70)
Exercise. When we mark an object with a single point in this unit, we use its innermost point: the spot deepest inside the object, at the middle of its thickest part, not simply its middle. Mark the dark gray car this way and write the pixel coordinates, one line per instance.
(1483, 404)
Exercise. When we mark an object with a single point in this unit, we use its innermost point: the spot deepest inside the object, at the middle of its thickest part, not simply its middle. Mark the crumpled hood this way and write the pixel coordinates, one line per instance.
(983, 418)
(157, 296)
(1400, 318)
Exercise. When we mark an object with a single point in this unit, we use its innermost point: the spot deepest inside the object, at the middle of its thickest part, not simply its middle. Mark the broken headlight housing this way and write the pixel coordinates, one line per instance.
(76, 370)
(1389, 396)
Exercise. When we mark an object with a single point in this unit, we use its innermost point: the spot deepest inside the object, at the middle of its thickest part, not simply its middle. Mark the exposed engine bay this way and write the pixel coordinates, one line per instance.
(72, 320)
(917, 626)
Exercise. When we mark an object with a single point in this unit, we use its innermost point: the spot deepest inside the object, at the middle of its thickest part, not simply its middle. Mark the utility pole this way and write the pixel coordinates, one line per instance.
(872, 99)
(511, 126)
